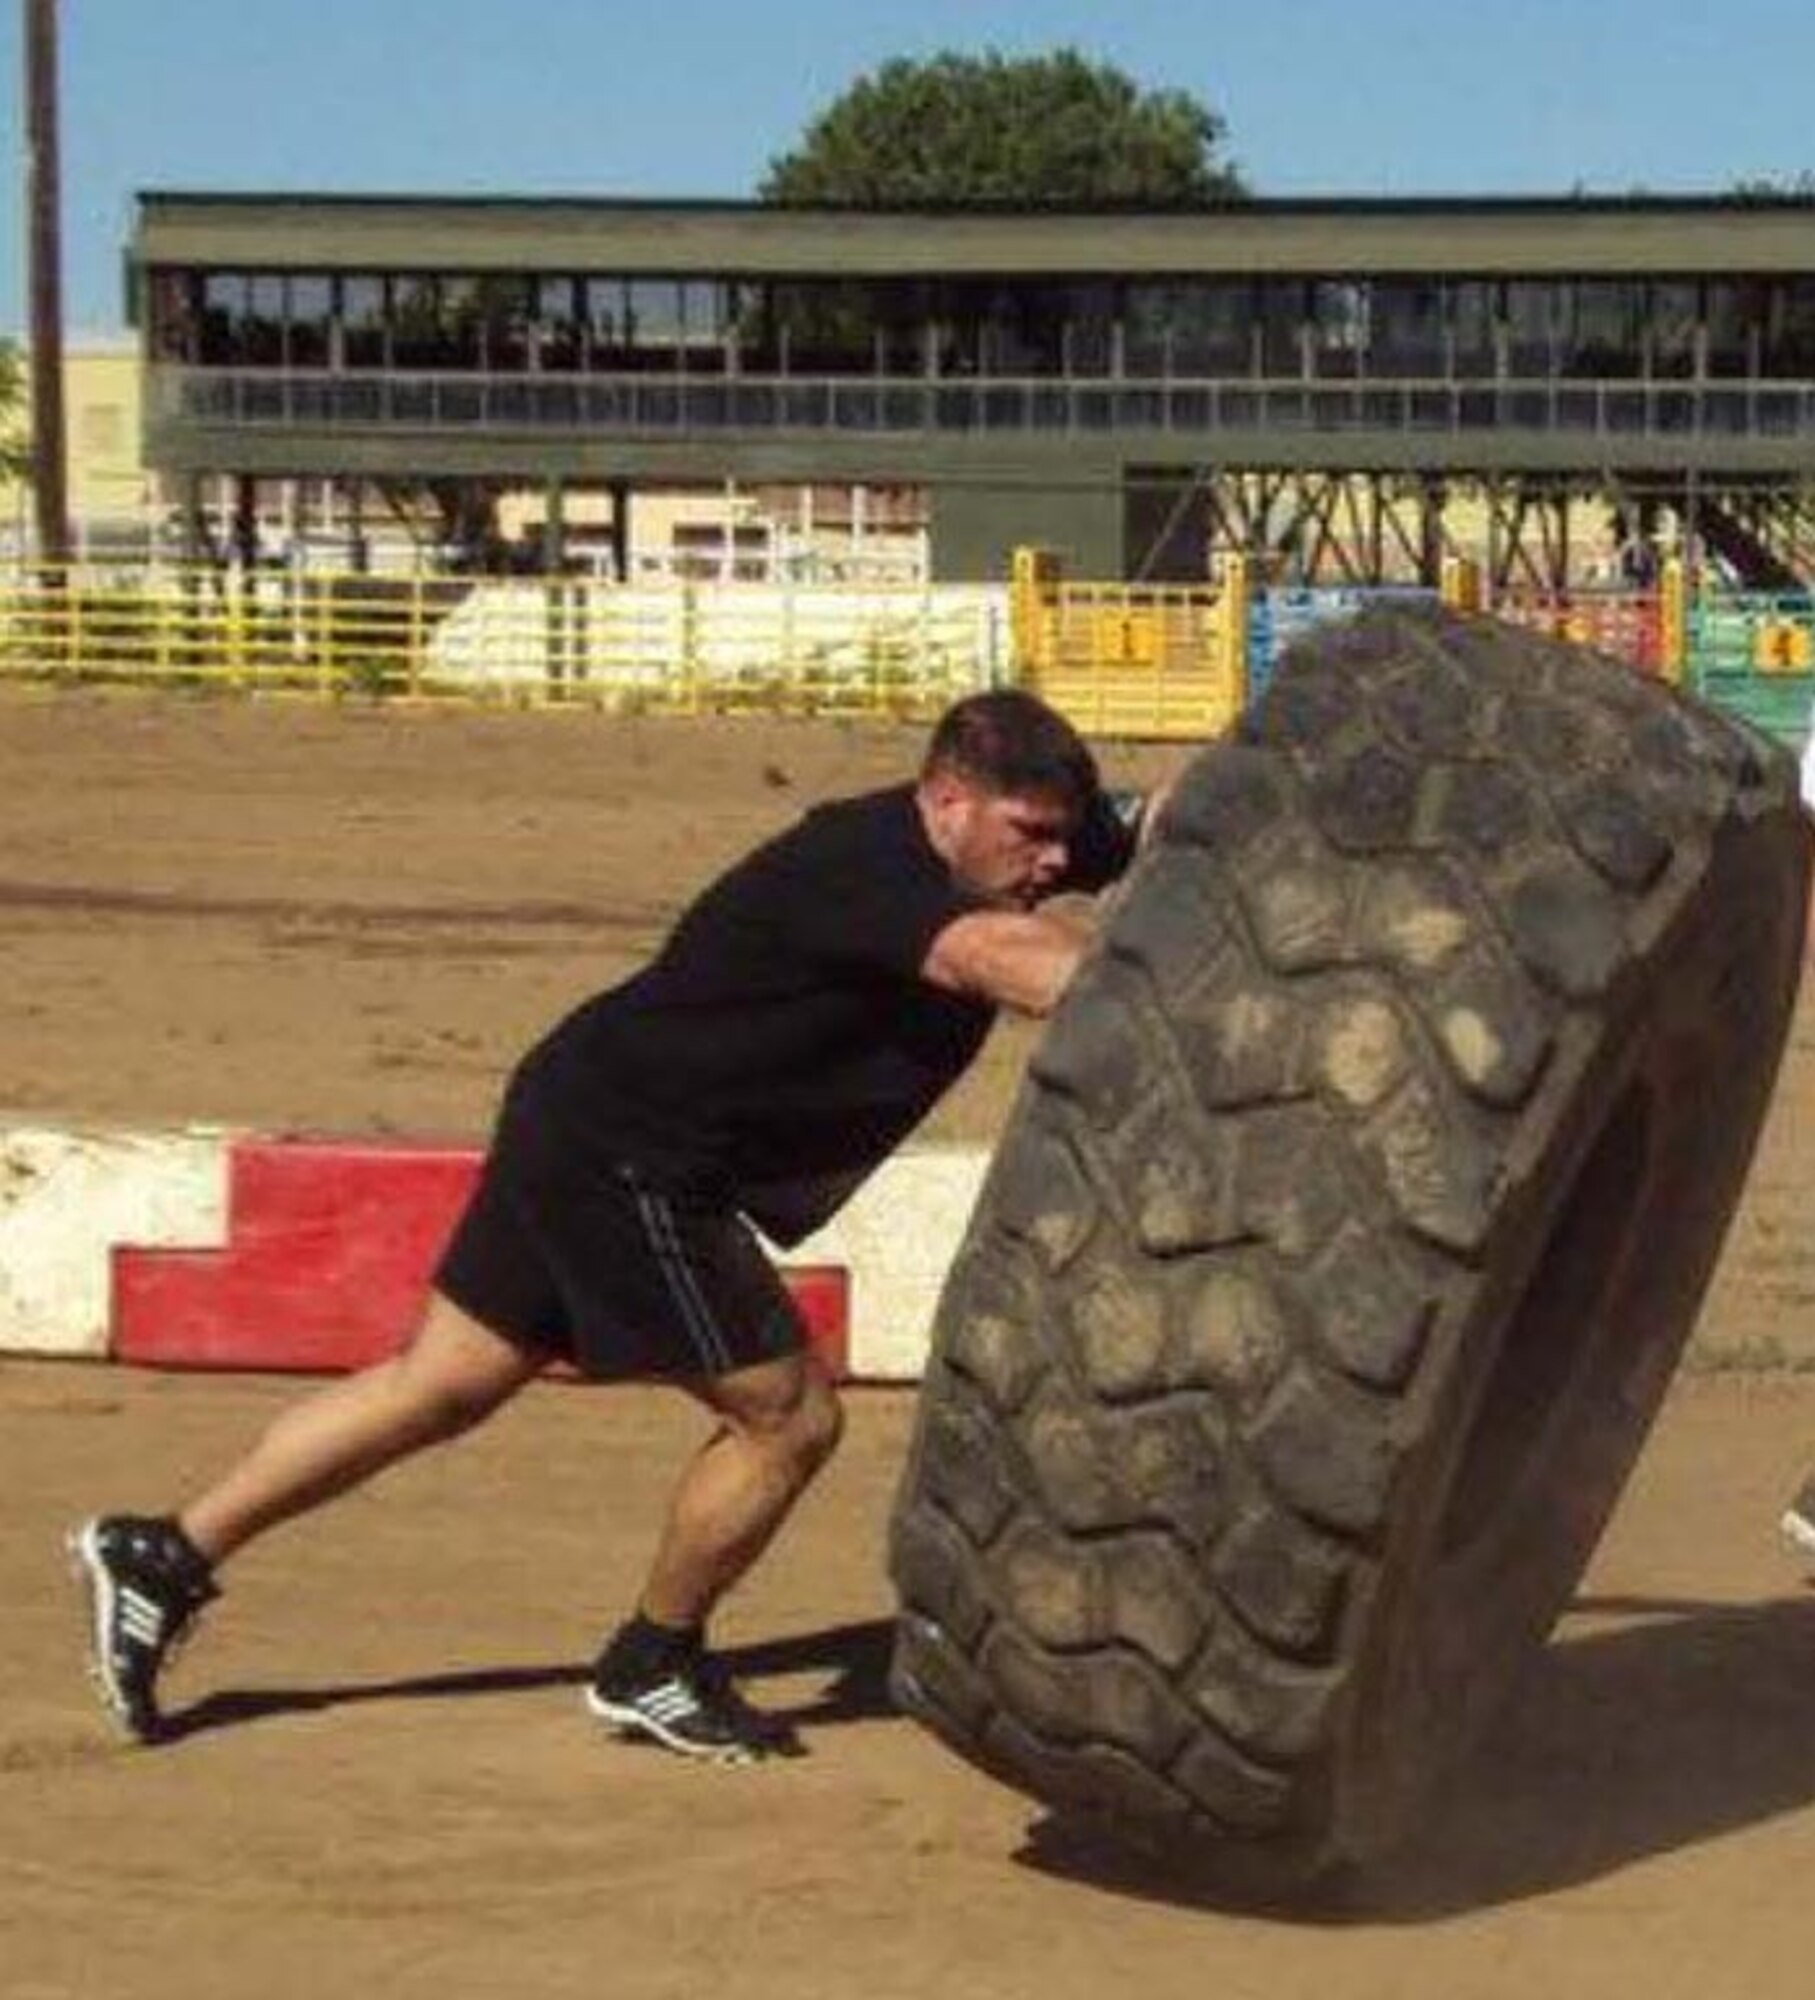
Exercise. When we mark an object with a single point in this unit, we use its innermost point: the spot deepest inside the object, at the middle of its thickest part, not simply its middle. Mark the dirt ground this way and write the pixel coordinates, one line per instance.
(290, 917)
(295, 918)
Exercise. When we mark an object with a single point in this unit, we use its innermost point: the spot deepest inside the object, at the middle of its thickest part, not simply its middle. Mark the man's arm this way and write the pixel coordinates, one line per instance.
(1025, 959)
(1022, 959)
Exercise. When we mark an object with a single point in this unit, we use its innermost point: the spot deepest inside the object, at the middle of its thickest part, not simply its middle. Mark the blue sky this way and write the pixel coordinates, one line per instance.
(693, 97)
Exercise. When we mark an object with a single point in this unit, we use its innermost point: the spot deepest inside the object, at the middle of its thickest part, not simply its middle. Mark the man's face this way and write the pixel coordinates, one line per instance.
(1011, 847)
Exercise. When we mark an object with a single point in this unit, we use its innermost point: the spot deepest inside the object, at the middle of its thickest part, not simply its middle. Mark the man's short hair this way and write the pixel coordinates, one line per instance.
(1009, 741)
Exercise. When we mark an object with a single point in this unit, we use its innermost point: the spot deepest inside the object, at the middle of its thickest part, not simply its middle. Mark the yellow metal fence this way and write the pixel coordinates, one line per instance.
(1117, 659)
(669, 648)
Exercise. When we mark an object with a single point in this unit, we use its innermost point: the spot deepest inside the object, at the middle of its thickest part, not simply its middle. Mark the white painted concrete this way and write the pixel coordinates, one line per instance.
(897, 1236)
(67, 1198)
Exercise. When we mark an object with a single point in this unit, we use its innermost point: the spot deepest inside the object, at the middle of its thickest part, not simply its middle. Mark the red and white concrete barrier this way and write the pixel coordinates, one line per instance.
(209, 1249)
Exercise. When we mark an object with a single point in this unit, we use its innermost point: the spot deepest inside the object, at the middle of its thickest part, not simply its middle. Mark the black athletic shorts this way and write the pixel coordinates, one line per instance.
(598, 1264)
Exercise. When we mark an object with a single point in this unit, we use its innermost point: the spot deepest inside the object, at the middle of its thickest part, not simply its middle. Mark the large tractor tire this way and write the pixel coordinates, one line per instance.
(1343, 1240)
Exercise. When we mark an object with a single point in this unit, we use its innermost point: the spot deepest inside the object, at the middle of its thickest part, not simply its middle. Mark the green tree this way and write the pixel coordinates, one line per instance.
(1770, 188)
(15, 457)
(1040, 131)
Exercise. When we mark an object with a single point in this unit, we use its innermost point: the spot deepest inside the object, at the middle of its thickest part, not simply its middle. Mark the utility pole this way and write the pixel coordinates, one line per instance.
(43, 200)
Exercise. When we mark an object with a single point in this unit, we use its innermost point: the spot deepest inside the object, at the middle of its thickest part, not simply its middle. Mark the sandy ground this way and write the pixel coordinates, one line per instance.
(285, 916)
(390, 1786)
(289, 917)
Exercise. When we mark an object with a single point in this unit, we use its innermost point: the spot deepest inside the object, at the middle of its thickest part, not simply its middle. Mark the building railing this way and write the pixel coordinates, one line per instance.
(676, 405)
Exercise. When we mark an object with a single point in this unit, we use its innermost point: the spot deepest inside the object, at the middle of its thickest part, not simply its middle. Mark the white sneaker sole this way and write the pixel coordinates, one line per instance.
(91, 1573)
(1799, 1531)
(631, 1721)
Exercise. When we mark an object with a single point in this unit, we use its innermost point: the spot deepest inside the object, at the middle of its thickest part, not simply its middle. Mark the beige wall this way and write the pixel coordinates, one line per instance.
(107, 477)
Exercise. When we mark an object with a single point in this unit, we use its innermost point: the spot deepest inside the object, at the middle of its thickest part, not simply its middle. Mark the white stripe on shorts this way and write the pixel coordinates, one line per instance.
(696, 1313)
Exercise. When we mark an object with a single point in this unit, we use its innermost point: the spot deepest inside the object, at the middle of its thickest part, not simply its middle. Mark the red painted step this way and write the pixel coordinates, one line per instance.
(330, 1245)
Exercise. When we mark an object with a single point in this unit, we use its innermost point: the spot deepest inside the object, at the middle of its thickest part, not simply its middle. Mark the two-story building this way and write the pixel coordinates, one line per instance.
(1322, 384)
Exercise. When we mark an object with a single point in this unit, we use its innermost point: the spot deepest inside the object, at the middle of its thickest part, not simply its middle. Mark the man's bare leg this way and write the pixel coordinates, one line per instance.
(147, 1576)
(453, 1373)
(779, 1423)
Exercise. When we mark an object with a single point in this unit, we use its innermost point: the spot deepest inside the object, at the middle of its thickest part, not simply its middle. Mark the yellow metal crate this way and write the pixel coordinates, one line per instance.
(1130, 660)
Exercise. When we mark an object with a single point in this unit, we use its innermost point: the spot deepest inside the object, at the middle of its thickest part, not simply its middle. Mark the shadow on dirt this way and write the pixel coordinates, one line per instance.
(855, 1657)
(1689, 1721)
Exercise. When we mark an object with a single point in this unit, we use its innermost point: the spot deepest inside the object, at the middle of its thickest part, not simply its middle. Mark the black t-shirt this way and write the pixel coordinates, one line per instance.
(783, 1042)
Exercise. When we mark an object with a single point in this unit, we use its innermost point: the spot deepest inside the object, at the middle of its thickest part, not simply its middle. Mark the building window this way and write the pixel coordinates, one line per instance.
(825, 327)
(702, 333)
(459, 323)
(176, 309)
(1531, 313)
(1040, 330)
(364, 338)
(604, 324)
(415, 321)
(741, 312)
(955, 323)
(1193, 327)
(1406, 334)
(759, 330)
(1602, 331)
(503, 306)
(1472, 312)
(1339, 326)
(1281, 315)
(1024, 329)
(1671, 322)
(261, 338)
(223, 315)
(1733, 309)
(654, 328)
(1787, 339)
(1089, 309)
(557, 310)
(308, 320)
(899, 306)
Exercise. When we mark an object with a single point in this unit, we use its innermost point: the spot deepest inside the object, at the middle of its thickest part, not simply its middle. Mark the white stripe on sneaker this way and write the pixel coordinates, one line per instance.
(143, 1617)
(662, 1712)
(668, 1701)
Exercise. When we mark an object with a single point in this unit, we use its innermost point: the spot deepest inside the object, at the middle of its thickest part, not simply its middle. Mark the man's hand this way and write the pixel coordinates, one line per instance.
(1022, 959)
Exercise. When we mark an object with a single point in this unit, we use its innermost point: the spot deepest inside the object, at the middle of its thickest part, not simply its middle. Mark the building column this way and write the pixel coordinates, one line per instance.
(358, 553)
(554, 531)
(1431, 497)
(620, 528)
(1493, 564)
(194, 526)
(244, 539)
(294, 518)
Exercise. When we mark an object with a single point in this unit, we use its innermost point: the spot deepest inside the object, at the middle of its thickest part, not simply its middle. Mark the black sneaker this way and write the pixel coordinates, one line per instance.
(691, 1707)
(145, 1584)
